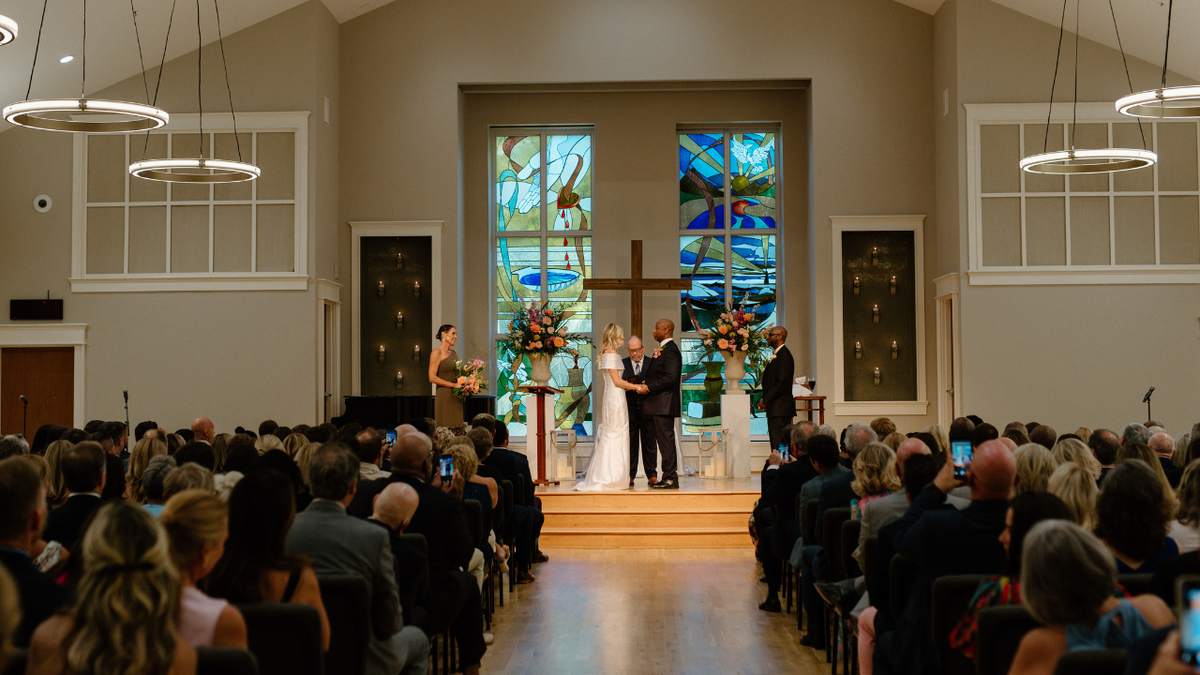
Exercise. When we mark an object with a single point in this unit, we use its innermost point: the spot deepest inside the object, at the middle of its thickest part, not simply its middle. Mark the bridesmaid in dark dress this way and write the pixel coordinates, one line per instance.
(447, 408)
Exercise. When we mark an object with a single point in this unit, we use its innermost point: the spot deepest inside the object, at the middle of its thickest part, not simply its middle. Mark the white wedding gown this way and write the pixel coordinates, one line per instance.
(609, 465)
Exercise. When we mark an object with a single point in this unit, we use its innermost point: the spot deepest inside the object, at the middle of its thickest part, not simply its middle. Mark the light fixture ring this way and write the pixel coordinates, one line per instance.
(1161, 103)
(8, 30)
(183, 170)
(1107, 160)
(60, 115)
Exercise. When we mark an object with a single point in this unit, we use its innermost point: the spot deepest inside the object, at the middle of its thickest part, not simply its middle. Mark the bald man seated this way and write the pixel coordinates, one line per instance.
(204, 430)
(393, 509)
(945, 541)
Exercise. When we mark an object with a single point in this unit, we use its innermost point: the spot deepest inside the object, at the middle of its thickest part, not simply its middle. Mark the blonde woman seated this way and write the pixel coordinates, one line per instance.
(1076, 487)
(1187, 517)
(145, 450)
(1035, 465)
(874, 476)
(126, 604)
(608, 468)
(1067, 582)
(1077, 452)
(482, 490)
(197, 525)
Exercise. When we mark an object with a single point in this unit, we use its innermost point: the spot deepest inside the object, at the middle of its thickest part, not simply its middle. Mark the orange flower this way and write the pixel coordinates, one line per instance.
(535, 328)
(724, 330)
(723, 343)
(549, 312)
(558, 342)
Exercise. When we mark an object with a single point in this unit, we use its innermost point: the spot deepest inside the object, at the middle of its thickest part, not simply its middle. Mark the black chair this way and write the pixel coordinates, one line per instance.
(347, 602)
(998, 634)
(285, 638)
(1135, 584)
(849, 542)
(474, 519)
(831, 535)
(509, 496)
(902, 572)
(869, 546)
(951, 597)
(17, 665)
(1091, 662)
(214, 661)
(417, 616)
(808, 521)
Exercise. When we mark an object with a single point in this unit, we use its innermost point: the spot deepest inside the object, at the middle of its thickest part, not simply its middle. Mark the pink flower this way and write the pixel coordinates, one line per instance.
(723, 343)
(745, 348)
(708, 343)
(743, 332)
(547, 321)
(562, 330)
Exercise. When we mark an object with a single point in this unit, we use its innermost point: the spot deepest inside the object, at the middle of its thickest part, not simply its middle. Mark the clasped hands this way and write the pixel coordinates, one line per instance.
(642, 389)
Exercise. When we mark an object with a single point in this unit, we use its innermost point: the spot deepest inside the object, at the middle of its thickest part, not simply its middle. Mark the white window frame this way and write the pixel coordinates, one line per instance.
(979, 274)
(287, 122)
(916, 225)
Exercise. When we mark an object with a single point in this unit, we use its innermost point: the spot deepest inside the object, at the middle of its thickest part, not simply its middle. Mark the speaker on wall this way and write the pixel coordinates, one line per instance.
(35, 310)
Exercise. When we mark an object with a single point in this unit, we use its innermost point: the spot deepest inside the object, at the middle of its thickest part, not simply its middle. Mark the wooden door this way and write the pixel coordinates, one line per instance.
(46, 377)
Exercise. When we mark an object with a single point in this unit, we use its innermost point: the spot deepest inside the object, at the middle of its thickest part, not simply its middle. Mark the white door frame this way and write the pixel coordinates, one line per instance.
(949, 355)
(55, 335)
(393, 228)
(329, 294)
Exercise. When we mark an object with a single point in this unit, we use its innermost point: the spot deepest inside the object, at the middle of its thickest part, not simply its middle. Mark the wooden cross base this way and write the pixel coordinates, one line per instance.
(635, 284)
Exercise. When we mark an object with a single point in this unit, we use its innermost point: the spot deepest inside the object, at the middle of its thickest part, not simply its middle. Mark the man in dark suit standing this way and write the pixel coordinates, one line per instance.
(662, 399)
(641, 427)
(777, 400)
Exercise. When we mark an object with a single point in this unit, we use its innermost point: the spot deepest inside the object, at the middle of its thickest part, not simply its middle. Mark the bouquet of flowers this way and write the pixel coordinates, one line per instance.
(736, 331)
(470, 377)
(539, 330)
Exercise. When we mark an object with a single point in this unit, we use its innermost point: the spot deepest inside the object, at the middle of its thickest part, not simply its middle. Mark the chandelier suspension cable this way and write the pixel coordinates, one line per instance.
(228, 89)
(141, 59)
(1054, 82)
(200, 76)
(161, 66)
(36, 47)
(1075, 103)
(1127, 77)
(1167, 48)
(83, 80)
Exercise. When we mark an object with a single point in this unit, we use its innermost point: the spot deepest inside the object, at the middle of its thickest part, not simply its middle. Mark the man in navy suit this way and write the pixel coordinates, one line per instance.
(777, 400)
(662, 399)
(641, 427)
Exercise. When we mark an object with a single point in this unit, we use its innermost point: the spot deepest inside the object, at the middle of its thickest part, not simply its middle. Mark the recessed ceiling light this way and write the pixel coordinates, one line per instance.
(66, 59)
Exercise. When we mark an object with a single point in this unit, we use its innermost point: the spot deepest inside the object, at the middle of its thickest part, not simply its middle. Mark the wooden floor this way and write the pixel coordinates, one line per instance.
(646, 611)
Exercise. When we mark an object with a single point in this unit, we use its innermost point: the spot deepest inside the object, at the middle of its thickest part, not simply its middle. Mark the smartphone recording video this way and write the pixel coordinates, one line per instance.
(961, 454)
(447, 467)
(783, 451)
(391, 437)
(1187, 597)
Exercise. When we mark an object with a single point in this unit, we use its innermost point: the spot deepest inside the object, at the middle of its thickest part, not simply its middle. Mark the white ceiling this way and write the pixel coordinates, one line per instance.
(113, 56)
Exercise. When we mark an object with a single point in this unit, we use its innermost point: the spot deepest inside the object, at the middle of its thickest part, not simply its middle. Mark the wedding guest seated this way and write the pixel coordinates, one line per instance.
(393, 511)
(143, 451)
(1076, 451)
(943, 542)
(220, 447)
(268, 442)
(197, 452)
(1024, 511)
(112, 437)
(1164, 446)
(1035, 465)
(197, 527)
(152, 483)
(1068, 581)
(370, 454)
(883, 427)
(1132, 515)
(893, 440)
(58, 488)
(1076, 487)
(874, 477)
(782, 482)
(1135, 433)
(242, 458)
(822, 452)
(1044, 435)
(126, 602)
(1016, 433)
(22, 517)
(338, 544)
(983, 433)
(1084, 434)
(84, 474)
(255, 566)
(10, 617)
(1183, 529)
(1104, 445)
(527, 517)
(190, 476)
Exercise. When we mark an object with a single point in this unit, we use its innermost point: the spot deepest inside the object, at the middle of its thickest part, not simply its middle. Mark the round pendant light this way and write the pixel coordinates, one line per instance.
(85, 115)
(199, 169)
(8, 30)
(194, 170)
(1162, 103)
(1108, 160)
(1086, 161)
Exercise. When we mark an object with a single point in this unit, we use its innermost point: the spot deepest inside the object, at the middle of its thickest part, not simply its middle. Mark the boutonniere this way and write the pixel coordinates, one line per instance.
(657, 353)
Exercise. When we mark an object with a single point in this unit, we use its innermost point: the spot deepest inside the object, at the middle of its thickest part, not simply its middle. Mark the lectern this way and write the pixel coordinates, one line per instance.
(541, 393)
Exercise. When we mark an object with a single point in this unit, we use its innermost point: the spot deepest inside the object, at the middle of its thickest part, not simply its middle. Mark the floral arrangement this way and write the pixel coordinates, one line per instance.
(736, 331)
(470, 378)
(539, 330)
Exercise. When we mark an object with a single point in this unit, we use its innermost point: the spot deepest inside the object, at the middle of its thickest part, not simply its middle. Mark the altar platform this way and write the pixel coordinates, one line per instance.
(702, 513)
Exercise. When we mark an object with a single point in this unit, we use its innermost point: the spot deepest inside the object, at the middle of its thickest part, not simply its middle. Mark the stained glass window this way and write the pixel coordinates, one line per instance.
(542, 222)
(728, 185)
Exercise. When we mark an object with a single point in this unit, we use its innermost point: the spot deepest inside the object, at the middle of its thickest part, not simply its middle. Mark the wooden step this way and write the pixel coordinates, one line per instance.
(620, 537)
(606, 518)
(647, 500)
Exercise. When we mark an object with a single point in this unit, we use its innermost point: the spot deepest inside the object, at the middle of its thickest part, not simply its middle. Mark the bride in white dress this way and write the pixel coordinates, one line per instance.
(609, 466)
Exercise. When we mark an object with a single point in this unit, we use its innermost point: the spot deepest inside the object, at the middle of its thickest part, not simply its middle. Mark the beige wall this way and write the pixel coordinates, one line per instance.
(1066, 355)
(237, 357)
(870, 63)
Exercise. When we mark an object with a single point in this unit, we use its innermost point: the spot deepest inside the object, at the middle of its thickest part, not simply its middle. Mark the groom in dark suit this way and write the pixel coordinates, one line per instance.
(641, 427)
(662, 398)
(777, 400)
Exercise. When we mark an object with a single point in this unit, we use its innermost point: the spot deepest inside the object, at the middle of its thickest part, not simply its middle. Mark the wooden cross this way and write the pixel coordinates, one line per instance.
(635, 284)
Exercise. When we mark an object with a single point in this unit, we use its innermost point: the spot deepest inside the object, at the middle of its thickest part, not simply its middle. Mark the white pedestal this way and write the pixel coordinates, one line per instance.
(735, 416)
(531, 422)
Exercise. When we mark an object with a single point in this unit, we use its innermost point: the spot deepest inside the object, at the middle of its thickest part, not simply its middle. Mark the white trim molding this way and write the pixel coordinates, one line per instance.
(949, 348)
(393, 228)
(249, 123)
(55, 335)
(329, 356)
(979, 274)
(916, 225)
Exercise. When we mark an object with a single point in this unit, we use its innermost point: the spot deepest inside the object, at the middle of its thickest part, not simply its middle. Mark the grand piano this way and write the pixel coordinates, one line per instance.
(387, 412)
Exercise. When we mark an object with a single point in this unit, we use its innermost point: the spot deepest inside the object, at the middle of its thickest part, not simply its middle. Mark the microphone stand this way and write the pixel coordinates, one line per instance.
(1147, 402)
(125, 393)
(24, 417)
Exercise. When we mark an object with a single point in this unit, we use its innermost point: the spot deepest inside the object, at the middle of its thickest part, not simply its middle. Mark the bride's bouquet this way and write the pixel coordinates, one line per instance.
(470, 378)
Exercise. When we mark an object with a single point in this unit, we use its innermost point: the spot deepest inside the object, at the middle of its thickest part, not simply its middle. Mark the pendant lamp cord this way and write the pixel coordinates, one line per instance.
(1054, 82)
(199, 75)
(161, 67)
(141, 59)
(1167, 49)
(83, 83)
(228, 89)
(37, 47)
(1075, 104)
(1127, 77)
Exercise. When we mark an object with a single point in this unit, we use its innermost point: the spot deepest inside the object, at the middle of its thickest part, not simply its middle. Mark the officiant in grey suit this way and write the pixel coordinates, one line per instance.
(777, 400)
(662, 402)
(641, 427)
